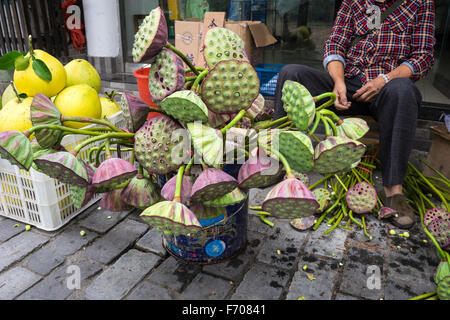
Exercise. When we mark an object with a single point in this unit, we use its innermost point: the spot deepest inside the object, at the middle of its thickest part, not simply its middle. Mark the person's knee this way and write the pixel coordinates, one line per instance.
(402, 87)
(294, 72)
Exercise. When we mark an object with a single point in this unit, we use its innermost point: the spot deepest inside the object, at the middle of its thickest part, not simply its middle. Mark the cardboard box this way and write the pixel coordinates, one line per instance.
(189, 35)
(439, 152)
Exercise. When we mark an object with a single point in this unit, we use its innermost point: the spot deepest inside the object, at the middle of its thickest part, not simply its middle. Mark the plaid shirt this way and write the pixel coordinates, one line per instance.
(405, 37)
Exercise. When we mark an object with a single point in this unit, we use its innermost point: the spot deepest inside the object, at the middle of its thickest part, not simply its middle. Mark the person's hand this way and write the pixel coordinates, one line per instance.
(340, 90)
(368, 92)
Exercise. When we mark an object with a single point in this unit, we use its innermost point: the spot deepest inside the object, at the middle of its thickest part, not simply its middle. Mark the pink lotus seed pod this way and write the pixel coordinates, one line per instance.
(386, 212)
(168, 191)
(212, 183)
(134, 111)
(259, 172)
(112, 173)
(437, 221)
(113, 201)
(361, 198)
(141, 193)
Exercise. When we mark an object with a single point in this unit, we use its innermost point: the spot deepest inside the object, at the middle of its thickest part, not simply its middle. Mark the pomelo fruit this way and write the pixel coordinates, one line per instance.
(109, 107)
(7, 95)
(15, 115)
(80, 71)
(30, 83)
(80, 100)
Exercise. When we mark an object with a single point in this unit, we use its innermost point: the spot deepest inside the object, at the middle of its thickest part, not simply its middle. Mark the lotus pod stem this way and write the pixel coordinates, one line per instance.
(331, 125)
(199, 79)
(285, 163)
(327, 104)
(105, 123)
(177, 195)
(235, 120)
(183, 57)
(68, 130)
(101, 137)
(315, 124)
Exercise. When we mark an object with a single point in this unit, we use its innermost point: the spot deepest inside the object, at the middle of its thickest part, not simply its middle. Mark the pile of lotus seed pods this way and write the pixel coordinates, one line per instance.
(210, 118)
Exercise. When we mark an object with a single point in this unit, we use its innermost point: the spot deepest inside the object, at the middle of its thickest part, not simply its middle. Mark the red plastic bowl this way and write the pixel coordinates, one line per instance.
(144, 92)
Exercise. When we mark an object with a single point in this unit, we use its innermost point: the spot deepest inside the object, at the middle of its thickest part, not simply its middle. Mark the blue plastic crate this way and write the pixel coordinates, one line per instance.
(268, 76)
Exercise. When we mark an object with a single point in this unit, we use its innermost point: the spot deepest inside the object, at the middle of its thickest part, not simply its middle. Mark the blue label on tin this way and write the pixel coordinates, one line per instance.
(215, 248)
(210, 222)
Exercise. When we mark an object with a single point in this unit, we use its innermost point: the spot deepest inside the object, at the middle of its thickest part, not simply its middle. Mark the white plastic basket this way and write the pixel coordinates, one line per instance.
(35, 198)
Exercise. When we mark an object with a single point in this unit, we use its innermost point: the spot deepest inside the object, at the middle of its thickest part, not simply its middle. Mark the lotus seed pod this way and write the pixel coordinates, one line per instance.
(353, 128)
(290, 199)
(303, 223)
(361, 198)
(166, 75)
(16, 148)
(208, 142)
(437, 221)
(212, 184)
(157, 149)
(259, 110)
(323, 196)
(337, 154)
(303, 177)
(216, 120)
(222, 44)
(64, 167)
(442, 271)
(203, 212)
(231, 86)
(80, 196)
(141, 193)
(185, 106)
(443, 289)
(298, 150)
(112, 173)
(168, 191)
(172, 217)
(299, 104)
(151, 36)
(259, 172)
(44, 112)
(234, 197)
(386, 212)
(113, 201)
(134, 110)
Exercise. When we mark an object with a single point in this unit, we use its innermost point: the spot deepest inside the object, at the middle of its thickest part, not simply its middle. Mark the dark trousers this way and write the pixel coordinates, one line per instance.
(395, 109)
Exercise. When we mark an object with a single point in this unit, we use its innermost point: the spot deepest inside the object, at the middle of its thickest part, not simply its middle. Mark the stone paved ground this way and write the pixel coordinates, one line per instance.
(122, 258)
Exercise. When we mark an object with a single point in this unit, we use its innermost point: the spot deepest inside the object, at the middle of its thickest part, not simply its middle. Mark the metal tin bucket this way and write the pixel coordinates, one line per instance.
(220, 239)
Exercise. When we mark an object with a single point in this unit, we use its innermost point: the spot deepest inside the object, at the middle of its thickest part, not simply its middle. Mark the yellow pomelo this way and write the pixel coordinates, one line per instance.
(15, 115)
(80, 100)
(8, 95)
(28, 81)
(109, 107)
(80, 71)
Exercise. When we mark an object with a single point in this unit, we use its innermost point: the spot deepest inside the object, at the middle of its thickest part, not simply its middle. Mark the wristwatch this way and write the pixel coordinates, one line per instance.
(385, 77)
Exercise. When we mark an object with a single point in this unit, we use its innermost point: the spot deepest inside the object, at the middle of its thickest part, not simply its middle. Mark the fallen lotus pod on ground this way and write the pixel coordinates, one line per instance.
(65, 167)
(361, 198)
(166, 75)
(141, 193)
(134, 110)
(235, 196)
(44, 112)
(386, 212)
(222, 44)
(154, 146)
(113, 201)
(81, 196)
(443, 289)
(16, 148)
(112, 173)
(437, 221)
(353, 128)
(208, 142)
(298, 150)
(231, 86)
(442, 271)
(211, 184)
(303, 223)
(336, 154)
(185, 106)
(323, 196)
(259, 172)
(151, 36)
(172, 217)
(168, 190)
(299, 104)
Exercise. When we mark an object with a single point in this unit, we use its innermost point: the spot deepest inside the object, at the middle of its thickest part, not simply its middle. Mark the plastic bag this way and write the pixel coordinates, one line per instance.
(446, 120)
(196, 8)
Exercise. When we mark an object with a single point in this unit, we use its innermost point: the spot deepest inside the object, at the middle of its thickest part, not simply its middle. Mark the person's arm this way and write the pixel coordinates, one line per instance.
(336, 71)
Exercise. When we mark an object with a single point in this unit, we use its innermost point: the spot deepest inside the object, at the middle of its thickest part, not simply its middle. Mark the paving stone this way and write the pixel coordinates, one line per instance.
(147, 290)
(356, 278)
(7, 229)
(325, 273)
(261, 282)
(206, 287)
(234, 269)
(98, 220)
(15, 281)
(376, 228)
(327, 245)
(18, 247)
(152, 241)
(53, 254)
(282, 248)
(55, 286)
(408, 268)
(403, 291)
(116, 281)
(116, 241)
(256, 225)
(174, 274)
(341, 296)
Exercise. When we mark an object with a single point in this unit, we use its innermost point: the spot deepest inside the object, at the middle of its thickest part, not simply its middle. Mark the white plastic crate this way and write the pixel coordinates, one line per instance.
(35, 198)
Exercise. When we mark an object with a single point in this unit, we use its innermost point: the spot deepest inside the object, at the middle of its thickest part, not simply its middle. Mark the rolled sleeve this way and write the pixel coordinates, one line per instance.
(333, 57)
